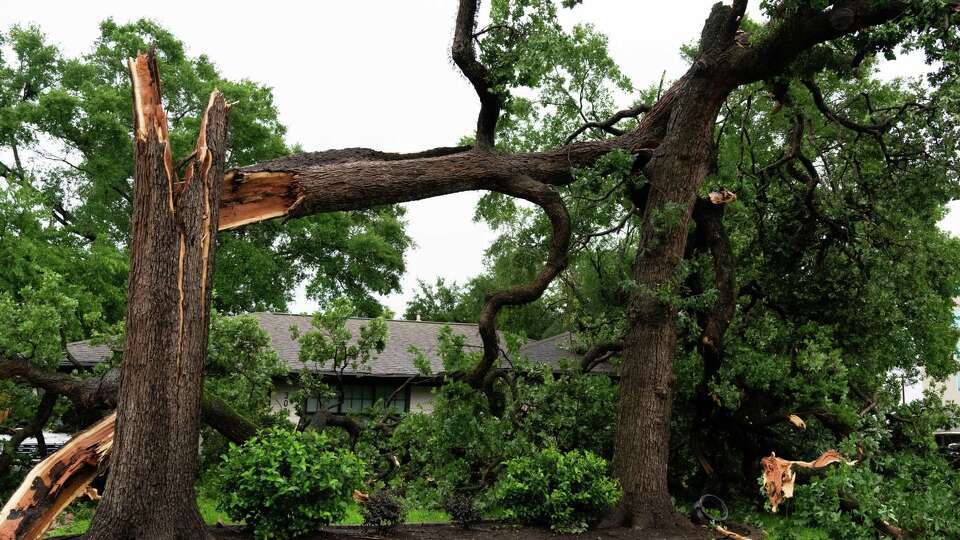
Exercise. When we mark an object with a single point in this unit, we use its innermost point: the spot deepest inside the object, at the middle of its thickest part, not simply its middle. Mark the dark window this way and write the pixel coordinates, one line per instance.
(357, 397)
(360, 397)
(384, 391)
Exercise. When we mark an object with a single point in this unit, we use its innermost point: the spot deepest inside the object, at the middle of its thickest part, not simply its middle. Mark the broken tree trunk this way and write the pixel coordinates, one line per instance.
(53, 484)
(150, 492)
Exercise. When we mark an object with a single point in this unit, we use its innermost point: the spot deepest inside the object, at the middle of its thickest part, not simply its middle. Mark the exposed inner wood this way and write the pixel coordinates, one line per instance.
(56, 482)
(149, 115)
(779, 476)
(251, 197)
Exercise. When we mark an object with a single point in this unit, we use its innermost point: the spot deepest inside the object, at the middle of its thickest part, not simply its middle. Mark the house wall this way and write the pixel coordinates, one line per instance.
(421, 399)
(949, 389)
(282, 399)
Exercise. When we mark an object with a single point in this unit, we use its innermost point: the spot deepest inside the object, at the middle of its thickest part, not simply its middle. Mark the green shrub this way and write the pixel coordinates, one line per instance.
(462, 507)
(567, 491)
(284, 483)
(382, 511)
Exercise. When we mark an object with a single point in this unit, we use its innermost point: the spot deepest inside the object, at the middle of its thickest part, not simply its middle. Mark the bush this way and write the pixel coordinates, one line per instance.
(462, 507)
(567, 491)
(284, 483)
(382, 511)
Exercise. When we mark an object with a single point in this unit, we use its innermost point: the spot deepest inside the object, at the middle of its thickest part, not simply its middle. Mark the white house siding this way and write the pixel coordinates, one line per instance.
(421, 399)
(282, 399)
(952, 391)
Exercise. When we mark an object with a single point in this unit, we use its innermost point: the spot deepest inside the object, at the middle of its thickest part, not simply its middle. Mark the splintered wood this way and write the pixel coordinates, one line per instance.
(779, 477)
(258, 196)
(56, 482)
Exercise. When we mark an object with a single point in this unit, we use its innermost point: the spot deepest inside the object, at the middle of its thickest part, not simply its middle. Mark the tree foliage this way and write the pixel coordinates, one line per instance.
(66, 125)
(285, 483)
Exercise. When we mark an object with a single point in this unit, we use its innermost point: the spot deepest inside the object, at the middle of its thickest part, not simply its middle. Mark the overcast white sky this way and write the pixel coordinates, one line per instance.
(377, 74)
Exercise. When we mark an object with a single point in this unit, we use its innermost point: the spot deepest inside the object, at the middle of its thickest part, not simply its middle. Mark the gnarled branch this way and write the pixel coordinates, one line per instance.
(465, 56)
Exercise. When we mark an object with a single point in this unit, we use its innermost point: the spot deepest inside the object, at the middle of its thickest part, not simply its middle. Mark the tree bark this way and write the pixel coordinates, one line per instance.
(641, 445)
(675, 173)
(150, 492)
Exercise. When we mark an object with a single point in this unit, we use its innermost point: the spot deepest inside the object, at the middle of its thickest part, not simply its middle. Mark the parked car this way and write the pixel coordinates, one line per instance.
(53, 442)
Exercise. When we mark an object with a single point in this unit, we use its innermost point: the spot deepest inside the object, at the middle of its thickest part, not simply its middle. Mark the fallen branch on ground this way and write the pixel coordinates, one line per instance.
(779, 477)
(56, 482)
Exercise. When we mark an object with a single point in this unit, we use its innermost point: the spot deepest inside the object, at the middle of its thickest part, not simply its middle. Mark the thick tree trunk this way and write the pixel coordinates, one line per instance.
(642, 443)
(150, 492)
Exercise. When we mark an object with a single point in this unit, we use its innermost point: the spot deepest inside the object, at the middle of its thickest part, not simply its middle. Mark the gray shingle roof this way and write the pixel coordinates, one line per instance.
(395, 360)
(554, 350)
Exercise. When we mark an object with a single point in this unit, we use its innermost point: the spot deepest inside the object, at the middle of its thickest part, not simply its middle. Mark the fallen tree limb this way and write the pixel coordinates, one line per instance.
(66, 475)
(779, 477)
(101, 392)
(56, 482)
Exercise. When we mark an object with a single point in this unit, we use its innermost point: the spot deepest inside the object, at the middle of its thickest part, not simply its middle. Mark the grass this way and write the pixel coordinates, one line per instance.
(783, 528)
(779, 526)
(82, 512)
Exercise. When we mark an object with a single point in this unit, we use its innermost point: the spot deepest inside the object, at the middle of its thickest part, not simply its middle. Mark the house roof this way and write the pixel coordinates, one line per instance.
(556, 351)
(395, 360)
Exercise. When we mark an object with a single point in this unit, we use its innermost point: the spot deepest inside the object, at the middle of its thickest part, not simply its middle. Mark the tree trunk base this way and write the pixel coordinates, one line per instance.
(655, 521)
(181, 524)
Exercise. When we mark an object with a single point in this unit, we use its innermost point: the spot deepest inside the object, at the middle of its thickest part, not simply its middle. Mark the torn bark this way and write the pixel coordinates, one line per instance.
(779, 477)
(56, 482)
(779, 480)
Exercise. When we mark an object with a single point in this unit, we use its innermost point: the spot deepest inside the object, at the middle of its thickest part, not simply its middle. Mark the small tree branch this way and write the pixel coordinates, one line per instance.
(608, 124)
(101, 392)
(32, 429)
(598, 354)
(465, 56)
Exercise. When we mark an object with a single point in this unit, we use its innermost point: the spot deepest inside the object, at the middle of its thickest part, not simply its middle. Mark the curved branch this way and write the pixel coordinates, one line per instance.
(608, 124)
(869, 129)
(33, 429)
(465, 56)
(598, 354)
(800, 32)
(552, 204)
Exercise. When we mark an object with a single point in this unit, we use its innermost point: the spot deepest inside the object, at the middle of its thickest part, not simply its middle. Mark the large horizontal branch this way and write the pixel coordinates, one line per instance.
(354, 179)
